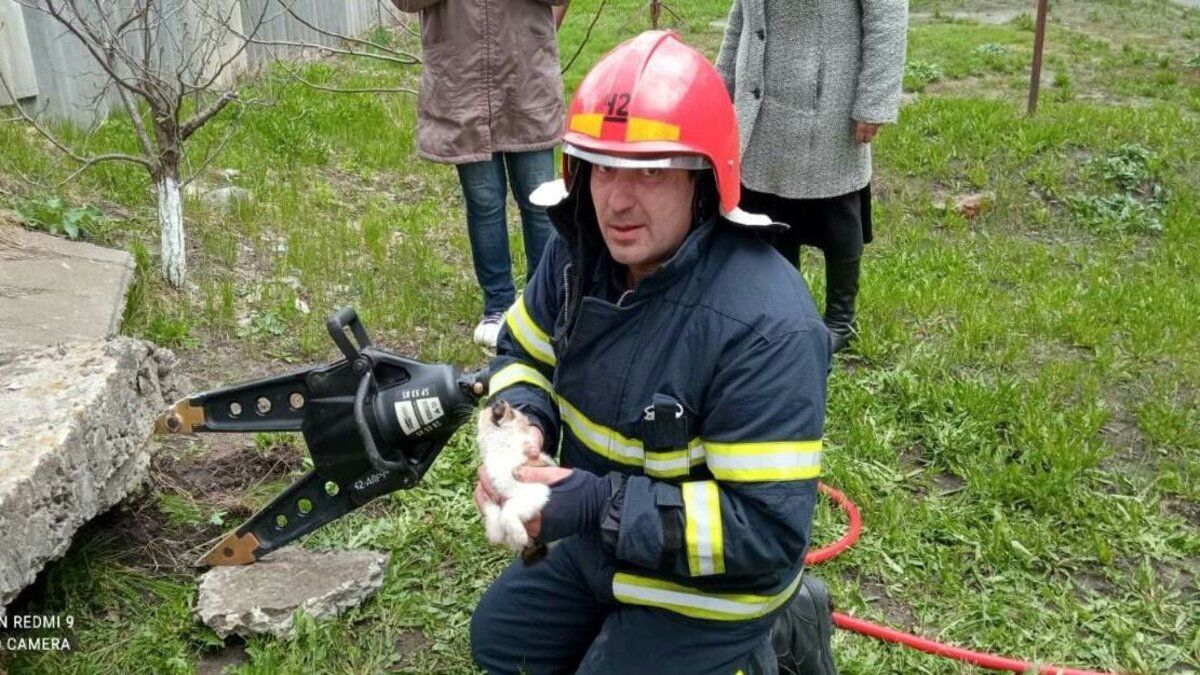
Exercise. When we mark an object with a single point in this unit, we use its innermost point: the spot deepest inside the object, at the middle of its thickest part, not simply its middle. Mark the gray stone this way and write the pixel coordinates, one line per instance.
(55, 290)
(225, 197)
(262, 598)
(74, 424)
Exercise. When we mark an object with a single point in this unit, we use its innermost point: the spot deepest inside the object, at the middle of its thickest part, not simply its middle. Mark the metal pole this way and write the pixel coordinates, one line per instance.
(654, 9)
(1039, 38)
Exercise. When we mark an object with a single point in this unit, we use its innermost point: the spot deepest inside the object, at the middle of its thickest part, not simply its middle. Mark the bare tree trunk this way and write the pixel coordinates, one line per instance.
(170, 220)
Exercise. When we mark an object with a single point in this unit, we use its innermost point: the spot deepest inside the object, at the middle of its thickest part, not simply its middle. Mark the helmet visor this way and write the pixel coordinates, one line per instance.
(691, 162)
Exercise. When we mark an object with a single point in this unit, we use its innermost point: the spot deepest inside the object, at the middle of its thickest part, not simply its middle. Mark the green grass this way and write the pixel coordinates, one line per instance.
(1020, 420)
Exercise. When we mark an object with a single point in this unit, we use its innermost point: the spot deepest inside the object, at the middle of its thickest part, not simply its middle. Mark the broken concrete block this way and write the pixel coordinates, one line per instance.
(74, 427)
(262, 598)
(55, 290)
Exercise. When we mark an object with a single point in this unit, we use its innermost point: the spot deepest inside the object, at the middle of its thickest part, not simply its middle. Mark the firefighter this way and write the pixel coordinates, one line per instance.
(683, 364)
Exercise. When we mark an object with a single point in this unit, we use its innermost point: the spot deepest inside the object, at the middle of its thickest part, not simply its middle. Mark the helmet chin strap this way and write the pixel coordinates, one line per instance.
(705, 198)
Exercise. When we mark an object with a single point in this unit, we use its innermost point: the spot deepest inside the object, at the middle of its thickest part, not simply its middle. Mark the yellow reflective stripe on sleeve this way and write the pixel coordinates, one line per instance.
(614, 446)
(515, 373)
(674, 463)
(632, 589)
(600, 439)
(783, 460)
(530, 336)
(702, 532)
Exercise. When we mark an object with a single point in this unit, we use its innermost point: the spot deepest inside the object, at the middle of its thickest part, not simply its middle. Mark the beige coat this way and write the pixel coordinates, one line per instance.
(491, 80)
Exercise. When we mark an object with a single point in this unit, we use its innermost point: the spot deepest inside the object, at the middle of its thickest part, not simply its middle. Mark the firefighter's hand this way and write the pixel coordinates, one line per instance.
(550, 475)
(864, 132)
(578, 501)
(486, 492)
(533, 449)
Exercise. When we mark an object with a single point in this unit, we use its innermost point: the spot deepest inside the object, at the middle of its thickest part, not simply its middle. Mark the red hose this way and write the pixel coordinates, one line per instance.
(886, 634)
(852, 532)
(938, 649)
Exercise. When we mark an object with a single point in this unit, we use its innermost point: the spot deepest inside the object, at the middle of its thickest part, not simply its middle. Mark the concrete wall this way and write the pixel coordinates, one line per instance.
(54, 76)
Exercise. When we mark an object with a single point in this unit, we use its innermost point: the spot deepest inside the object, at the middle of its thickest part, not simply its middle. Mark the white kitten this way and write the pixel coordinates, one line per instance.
(504, 433)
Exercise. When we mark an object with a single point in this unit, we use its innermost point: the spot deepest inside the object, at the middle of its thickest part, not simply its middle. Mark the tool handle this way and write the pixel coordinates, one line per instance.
(364, 430)
(337, 323)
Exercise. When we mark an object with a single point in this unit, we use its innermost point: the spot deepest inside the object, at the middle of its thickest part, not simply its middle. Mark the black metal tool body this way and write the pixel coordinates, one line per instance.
(374, 422)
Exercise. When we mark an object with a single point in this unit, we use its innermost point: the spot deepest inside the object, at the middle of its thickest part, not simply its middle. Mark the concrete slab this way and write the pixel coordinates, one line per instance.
(74, 423)
(262, 598)
(54, 290)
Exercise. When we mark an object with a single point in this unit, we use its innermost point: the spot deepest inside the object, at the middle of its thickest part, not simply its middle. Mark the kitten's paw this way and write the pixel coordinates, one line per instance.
(515, 535)
(491, 523)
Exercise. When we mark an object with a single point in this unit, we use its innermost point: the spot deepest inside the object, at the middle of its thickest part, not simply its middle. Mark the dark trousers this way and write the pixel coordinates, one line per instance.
(559, 616)
(839, 226)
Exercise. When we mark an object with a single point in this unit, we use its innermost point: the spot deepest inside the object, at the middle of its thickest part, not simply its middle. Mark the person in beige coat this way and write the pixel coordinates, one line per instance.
(491, 103)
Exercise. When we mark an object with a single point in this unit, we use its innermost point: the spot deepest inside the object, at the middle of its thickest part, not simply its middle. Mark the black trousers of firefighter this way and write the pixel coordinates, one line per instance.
(558, 615)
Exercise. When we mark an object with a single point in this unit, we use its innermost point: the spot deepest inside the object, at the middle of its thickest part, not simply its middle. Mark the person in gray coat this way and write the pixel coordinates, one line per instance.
(812, 83)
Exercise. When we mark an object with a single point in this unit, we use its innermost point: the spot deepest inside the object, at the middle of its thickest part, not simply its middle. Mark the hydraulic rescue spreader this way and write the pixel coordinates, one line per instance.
(374, 423)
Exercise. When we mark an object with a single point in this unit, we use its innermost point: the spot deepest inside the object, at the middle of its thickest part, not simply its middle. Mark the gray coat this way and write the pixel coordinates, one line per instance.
(801, 72)
(490, 80)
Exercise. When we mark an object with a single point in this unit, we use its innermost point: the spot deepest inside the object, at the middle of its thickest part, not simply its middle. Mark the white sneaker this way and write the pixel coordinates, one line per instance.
(488, 330)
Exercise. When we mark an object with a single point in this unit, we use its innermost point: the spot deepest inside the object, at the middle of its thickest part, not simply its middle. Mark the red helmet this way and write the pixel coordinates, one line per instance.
(656, 102)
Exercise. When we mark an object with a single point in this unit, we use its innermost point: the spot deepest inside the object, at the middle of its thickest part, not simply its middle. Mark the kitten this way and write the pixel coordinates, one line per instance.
(504, 433)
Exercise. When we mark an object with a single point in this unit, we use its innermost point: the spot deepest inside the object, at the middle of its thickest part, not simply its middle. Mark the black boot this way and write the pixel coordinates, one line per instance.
(801, 635)
(841, 290)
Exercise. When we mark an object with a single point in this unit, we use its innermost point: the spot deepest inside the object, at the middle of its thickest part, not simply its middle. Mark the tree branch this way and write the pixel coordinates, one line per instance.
(353, 40)
(188, 128)
(210, 157)
(226, 23)
(587, 36)
(87, 44)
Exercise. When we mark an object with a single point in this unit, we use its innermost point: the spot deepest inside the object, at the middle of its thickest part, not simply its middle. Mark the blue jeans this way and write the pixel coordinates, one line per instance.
(485, 190)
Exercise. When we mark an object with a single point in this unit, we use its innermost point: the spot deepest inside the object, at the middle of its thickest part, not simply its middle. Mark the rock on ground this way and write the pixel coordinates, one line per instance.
(262, 598)
(225, 197)
(74, 424)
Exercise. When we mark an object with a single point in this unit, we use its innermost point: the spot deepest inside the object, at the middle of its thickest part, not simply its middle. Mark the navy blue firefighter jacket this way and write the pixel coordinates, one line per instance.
(705, 384)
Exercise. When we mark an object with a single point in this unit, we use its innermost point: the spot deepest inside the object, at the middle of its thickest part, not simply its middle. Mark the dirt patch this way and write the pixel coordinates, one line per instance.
(896, 614)
(993, 17)
(222, 361)
(948, 483)
(1131, 447)
(1180, 577)
(227, 469)
(1184, 509)
(409, 643)
(221, 662)
(1045, 352)
(215, 479)
(1094, 584)
(945, 483)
